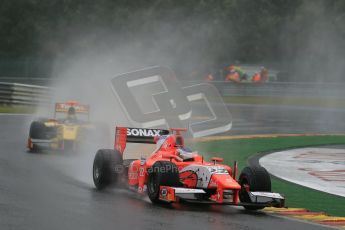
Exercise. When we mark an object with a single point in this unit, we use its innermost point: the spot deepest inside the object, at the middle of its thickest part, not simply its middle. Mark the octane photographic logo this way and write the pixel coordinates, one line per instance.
(153, 97)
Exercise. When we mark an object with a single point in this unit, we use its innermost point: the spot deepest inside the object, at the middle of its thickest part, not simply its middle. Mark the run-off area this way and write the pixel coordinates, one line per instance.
(322, 169)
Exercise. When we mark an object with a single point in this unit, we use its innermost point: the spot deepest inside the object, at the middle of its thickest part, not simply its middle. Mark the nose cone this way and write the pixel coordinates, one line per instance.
(225, 181)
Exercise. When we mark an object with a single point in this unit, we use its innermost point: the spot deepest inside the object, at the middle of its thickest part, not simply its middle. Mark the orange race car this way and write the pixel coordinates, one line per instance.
(173, 173)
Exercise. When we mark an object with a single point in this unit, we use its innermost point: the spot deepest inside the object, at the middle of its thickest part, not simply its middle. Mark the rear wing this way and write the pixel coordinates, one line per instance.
(63, 107)
(135, 135)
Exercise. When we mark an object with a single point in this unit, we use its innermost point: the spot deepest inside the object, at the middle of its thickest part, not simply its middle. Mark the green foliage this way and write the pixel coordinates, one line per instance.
(204, 32)
(17, 109)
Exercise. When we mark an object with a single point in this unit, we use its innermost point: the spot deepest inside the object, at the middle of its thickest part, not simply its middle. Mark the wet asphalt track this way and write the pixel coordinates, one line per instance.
(55, 190)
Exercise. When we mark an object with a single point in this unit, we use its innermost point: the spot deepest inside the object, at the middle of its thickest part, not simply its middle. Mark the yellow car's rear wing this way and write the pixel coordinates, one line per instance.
(63, 107)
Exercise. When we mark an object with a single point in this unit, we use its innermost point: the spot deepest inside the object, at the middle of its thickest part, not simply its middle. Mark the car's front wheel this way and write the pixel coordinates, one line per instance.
(162, 173)
(107, 166)
(253, 179)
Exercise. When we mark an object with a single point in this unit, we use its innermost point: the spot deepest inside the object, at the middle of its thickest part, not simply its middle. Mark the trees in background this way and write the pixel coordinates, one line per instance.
(296, 33)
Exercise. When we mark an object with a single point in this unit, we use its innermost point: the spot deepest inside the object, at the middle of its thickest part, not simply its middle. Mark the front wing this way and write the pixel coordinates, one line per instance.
(264, 199)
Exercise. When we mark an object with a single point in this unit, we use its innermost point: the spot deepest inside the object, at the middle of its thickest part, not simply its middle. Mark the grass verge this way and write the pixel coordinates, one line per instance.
(16, 109)
(296, 196)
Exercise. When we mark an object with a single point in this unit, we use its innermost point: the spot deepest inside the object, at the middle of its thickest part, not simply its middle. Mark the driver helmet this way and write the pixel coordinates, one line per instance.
(71, 113)
(185, 153)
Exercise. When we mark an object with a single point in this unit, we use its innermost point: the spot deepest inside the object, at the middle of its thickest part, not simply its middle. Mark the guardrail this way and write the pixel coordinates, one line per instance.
(23, 94)
(41, 81)
(282, 89)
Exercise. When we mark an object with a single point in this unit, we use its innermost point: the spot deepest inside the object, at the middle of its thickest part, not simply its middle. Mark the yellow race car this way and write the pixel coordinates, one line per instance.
(61, 133)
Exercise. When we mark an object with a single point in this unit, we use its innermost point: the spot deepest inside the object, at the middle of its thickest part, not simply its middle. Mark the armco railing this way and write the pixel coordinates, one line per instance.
(275, 89)
(42, 81)
(22, 94)
(25, 94)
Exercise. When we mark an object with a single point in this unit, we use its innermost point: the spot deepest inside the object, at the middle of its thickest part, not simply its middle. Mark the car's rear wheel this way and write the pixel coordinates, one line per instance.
(107, 166)
(253, 179)
(33, 148)
(162, 173)
(37, 131)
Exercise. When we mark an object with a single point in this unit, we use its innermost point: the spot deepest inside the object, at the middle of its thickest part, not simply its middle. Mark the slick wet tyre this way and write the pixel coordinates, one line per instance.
(162, 173)
(106, 168)
(255, 179)
(37, 130)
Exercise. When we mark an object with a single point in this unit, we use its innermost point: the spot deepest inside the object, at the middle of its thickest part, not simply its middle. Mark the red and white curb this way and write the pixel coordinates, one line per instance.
(304, 214)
